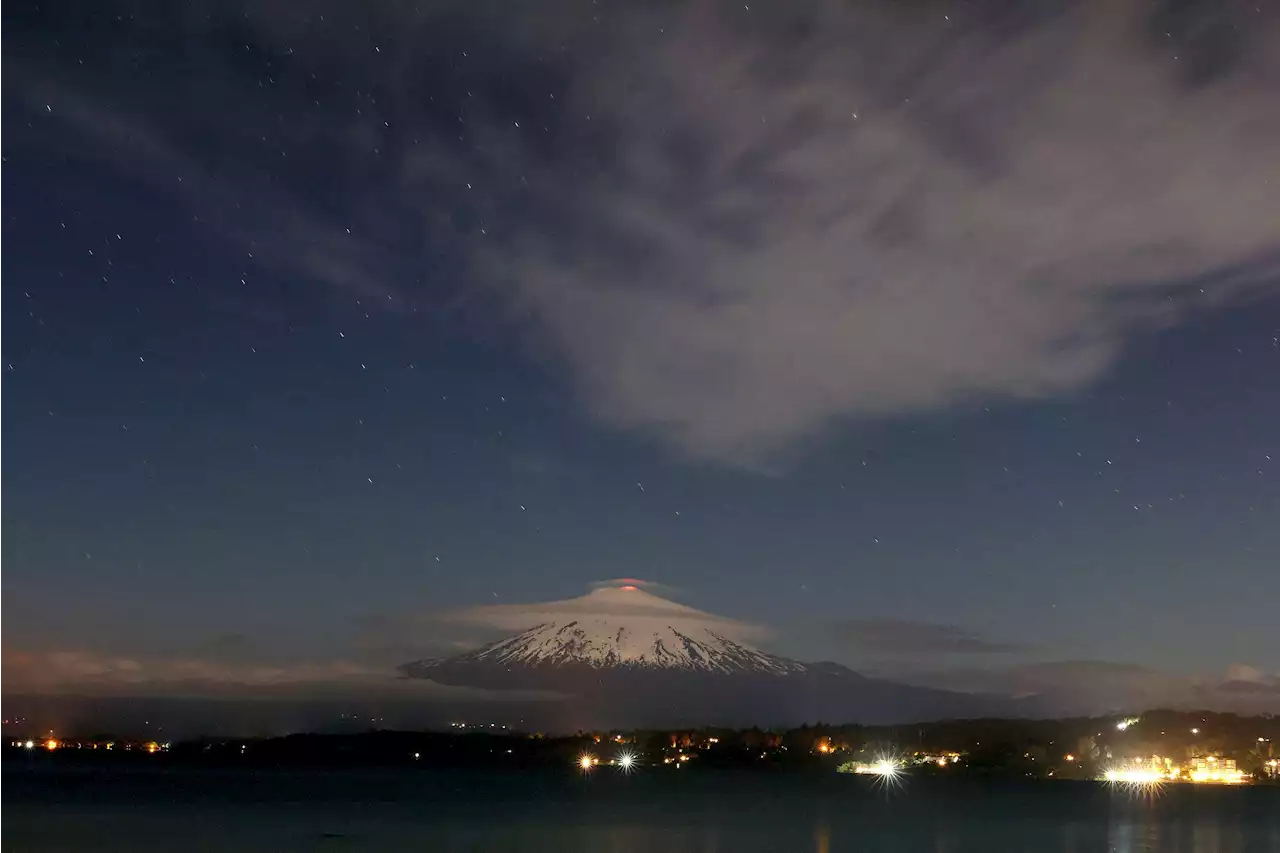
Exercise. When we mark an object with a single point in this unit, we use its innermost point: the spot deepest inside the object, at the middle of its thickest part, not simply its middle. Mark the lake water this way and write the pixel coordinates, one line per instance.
(68, 810)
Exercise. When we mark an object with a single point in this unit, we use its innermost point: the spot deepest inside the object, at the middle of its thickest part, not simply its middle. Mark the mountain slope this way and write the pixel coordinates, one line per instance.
(627, 657)
(603, 643)
(626, 627)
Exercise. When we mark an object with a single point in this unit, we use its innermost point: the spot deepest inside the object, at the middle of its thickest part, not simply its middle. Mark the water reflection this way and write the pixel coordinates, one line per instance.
(1129, 835)
(730, 814)
(1066, 818)
(1196, 820)
(1208, 836)
(992, 832)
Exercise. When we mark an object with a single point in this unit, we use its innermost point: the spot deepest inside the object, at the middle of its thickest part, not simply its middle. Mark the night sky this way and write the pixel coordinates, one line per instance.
(943, 339)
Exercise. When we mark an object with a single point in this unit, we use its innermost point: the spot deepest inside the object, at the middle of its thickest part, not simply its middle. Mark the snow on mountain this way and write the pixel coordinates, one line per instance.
(609, 643)
(622, 656)
(625, 627)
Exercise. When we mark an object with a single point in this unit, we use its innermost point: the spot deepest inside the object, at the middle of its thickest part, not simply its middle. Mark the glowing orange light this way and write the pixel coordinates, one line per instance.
(51, 744)
(630, 588)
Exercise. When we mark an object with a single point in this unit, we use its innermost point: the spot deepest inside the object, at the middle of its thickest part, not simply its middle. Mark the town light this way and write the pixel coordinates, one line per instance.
(885, 768)
(1133, 777)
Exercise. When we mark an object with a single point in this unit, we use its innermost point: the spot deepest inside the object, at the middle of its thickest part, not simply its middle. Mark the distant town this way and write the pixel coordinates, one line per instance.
(1139, 751)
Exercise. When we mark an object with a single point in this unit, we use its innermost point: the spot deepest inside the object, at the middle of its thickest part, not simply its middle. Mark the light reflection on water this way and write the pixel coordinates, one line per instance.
(986, 833)
(729, 813)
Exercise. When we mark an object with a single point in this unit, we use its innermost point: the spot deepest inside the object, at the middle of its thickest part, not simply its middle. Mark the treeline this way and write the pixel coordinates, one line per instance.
(1009, 747)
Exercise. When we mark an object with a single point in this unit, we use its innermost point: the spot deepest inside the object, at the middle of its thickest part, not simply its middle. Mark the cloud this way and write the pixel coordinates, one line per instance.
(90, 673)
(737, 227)
(388, 640)
(659, 589)
(904, 637)
(230, 647)
(630, 602)
(1071, 687)
(1263, 688)
(859, 210)
(1242, 678)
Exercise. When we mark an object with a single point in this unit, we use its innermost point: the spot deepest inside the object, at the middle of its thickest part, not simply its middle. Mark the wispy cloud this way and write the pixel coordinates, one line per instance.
(1242, 678)
(662, 590)
(88, 671)
(739, 226)
(900, 637)
(605, 601)
(1092, 686)
(891, 209)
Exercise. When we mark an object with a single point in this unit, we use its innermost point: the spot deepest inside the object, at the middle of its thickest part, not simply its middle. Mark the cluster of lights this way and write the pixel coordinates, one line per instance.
(891, 767)
(626, 762)
(51, 744)
(1208, 770)
(885, 771)
(1212, 770)
(883, 767)
(1137, 778)
(1221, 777)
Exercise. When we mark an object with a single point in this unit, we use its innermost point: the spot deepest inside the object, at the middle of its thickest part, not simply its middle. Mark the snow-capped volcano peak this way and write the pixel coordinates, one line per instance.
(612, 642)
(623, 627)
(622, 656)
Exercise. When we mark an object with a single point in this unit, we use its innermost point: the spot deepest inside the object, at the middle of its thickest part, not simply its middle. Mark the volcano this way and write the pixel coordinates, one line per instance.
(623, 657)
